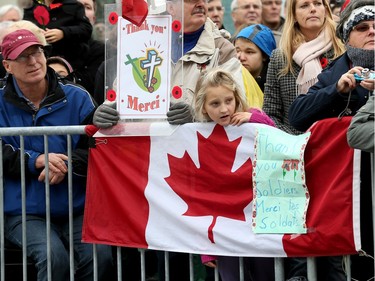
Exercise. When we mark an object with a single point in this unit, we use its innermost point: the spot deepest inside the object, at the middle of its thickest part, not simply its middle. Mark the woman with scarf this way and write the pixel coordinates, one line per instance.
(338, 93)
(307, 45)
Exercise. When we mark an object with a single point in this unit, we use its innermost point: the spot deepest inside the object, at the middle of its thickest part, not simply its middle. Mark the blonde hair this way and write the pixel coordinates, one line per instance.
(215, 78)
(292, 36)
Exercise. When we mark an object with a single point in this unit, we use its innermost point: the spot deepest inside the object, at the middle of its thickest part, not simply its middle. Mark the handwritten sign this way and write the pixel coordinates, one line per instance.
(280, 194)
(143, 84)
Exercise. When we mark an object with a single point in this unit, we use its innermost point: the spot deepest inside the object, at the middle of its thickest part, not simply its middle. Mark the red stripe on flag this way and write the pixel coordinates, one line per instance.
(329, 178)
(117, 188)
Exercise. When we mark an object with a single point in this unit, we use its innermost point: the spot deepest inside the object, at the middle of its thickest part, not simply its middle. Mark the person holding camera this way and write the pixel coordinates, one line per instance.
(342, 89)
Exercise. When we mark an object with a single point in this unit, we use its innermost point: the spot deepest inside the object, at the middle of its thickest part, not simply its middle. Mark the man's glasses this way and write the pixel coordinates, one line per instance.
(36, 55)
(219, 9)
(364, 27)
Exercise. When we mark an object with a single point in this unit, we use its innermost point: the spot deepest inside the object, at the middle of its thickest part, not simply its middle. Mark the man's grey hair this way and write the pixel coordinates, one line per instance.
(6, 8)
(234, 5)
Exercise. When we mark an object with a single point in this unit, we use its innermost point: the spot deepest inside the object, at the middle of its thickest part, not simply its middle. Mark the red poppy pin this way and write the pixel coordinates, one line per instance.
(324, 62)
(41, 15)
(177, 92)
(113, 18)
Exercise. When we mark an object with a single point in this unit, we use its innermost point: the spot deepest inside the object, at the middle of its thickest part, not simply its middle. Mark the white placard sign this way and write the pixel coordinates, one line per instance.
(143, 81)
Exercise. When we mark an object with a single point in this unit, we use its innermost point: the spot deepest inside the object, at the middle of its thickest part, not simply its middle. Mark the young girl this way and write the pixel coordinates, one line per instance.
(219, 99)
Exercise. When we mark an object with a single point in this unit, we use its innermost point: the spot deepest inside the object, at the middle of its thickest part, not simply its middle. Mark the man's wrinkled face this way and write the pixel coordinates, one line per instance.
(195, 13)
(271, 11)
(247, 12)
(216, 12)
(29, 67)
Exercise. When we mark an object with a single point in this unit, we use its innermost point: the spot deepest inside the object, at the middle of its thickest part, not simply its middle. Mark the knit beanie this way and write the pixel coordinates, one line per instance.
(354, 13)
(261, 36)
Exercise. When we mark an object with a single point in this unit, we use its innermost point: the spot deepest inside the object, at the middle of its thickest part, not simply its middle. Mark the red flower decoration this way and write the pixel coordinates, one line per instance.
(177, 92)
(176, 25)
(111, 95)
(113, 18)
(323, 62)
(41, 15)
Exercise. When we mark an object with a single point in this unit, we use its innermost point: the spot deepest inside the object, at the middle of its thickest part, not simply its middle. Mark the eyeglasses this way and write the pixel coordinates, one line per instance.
(363, 27)
(195, 1)
(269, 3)
(248, 7)
(219, 9)
(23, 58)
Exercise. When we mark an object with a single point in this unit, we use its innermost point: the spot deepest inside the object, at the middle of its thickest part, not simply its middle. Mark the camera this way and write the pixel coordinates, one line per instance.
(365, 74)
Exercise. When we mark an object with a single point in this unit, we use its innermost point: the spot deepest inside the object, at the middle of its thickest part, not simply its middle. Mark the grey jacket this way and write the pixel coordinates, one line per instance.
(361, 130)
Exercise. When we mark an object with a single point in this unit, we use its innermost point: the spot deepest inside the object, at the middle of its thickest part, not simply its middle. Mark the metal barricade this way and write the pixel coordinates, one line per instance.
(79, 130)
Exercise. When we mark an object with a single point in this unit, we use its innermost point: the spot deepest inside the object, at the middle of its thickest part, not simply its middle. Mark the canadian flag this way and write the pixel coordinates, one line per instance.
(192, 192)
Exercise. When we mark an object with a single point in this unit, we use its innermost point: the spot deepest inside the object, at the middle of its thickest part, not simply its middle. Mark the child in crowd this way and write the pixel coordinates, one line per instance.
(62, 67)
(254, 45)
(219, 99)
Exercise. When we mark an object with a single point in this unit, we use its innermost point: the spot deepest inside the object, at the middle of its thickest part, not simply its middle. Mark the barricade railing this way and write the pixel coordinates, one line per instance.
(68, 131)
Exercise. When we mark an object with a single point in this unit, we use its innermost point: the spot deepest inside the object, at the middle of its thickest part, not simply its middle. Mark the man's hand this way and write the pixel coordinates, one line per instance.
(106, 116)
(179, 113)
(56, 162)
(54, 177)
(57, 167)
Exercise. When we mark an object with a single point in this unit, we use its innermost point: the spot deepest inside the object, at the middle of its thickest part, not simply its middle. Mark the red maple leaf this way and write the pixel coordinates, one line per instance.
(212, 189)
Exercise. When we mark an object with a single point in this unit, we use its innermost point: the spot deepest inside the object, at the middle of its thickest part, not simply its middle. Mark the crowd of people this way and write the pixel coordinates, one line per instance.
(285, 70)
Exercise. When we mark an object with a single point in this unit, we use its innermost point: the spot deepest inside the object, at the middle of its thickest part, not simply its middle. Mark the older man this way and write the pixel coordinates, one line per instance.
(10, 12)
(33, 97)
(246, 12)
(216, 12)
(271, 17)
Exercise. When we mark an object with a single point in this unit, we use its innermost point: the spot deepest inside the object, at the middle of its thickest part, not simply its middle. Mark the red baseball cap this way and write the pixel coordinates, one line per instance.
(16, 42)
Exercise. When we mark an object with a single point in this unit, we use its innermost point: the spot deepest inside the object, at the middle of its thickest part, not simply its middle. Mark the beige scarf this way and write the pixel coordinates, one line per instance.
(307, 56)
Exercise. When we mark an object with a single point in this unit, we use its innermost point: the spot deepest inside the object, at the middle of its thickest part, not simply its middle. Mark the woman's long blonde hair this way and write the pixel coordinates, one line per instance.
(292, 36)
(214, 78)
